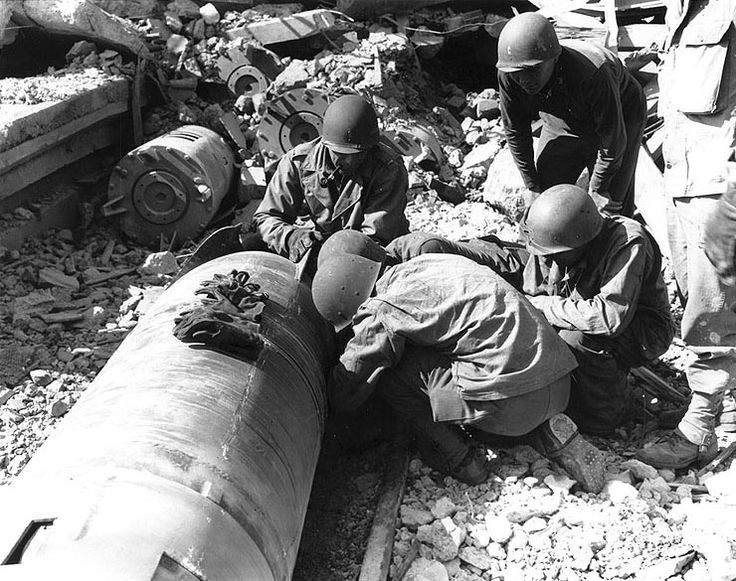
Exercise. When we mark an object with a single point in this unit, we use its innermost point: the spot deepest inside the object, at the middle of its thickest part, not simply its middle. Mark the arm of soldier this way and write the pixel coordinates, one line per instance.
(518, 129)
(609, 125)
(384, 203)
(372, 350)
(610, 311)
(278, 211)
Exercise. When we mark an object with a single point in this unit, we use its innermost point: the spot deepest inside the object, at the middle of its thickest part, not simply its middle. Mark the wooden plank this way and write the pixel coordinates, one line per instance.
(41, 144)
(377, 560)
(55, 154)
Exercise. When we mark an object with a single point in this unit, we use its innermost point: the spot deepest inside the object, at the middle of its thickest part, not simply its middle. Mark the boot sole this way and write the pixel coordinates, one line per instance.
(697, 462)
(584, 462)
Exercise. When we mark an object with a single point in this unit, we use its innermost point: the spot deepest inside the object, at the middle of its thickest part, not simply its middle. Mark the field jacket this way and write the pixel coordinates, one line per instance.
(590, 90)
(499, 344)
(373, 201)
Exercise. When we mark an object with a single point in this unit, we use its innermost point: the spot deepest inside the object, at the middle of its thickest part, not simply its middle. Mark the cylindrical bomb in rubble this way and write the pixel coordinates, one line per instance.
(177, 462)
(169, 188)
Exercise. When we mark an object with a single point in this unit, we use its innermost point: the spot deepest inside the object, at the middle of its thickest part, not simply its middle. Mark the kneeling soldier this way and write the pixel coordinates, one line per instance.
(447, 343)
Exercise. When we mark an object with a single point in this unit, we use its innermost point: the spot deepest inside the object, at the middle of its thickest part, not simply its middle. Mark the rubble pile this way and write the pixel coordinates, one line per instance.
(65, 307)
(529, 523)
(55, 86)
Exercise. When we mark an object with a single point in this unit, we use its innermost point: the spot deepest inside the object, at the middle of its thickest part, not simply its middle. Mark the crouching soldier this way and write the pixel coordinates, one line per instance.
(598, 281)
(447, 343)
(343, 179)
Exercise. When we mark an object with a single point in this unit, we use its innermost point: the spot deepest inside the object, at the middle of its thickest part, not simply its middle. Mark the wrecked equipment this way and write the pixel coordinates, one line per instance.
(171, 187)
(293, 118)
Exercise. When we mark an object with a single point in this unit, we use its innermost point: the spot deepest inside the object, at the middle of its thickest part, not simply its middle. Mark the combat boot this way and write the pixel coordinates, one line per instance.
(674, 451)
(558, 439)
(448, 450)
(475, 467)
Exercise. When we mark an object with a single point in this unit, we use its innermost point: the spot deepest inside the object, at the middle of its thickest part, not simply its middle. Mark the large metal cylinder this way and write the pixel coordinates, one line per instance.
(181, 463)
(172, 186)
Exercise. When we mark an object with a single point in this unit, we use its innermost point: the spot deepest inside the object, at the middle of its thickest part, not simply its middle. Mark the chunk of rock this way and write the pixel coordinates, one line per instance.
(160, 263)
(499, 528)
(443, 507)
(415, 517)
(426, 570)
(640, 470)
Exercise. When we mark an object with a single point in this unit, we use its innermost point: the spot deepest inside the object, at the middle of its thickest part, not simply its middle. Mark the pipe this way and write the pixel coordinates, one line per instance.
(180, 461)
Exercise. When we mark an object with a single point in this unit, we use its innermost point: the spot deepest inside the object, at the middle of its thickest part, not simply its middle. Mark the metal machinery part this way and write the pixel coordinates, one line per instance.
(181, 463)
(172, 186)
(293, 118)
(248, 71)
(416, 142)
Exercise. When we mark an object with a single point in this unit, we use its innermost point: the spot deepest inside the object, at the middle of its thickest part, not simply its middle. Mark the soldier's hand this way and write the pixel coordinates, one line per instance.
(300, 241)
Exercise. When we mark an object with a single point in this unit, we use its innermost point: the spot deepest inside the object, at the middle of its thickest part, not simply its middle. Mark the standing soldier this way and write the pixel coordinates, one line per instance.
(698, 100)
(593, 111)
(343, 179)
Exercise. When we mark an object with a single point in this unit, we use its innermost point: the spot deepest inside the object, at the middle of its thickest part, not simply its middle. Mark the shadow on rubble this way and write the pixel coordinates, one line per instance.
(344, 494)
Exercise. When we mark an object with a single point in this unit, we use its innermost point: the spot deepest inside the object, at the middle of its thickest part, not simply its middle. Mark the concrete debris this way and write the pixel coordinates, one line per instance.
(54, 277)
(160, 263)
(286, 28)
(426, 570)
(81, 18)
(640, 470)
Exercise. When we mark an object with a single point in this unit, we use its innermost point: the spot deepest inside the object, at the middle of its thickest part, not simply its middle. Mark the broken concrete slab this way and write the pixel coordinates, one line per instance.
(283, 29)
(36, 140)
(81, 18)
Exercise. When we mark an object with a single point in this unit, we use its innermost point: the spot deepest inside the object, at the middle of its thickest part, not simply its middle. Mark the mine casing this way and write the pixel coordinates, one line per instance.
(181, 462)
(171, 187)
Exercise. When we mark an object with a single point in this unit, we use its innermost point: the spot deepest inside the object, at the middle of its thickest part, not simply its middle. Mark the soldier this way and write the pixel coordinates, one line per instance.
(343, 179)
(592, 108)
(447, 343)
(698, 103)
(598, 280)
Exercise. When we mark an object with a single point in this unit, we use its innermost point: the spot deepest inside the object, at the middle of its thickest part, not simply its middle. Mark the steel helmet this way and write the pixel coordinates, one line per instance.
(563, 217)
(350, 125)
(350, 242)
(341, 285)
(528, 39)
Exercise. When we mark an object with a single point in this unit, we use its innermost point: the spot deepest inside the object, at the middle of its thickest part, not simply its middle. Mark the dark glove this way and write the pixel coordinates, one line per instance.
(299, 241)
(214, 329)
(235, 289)
(720, 237)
